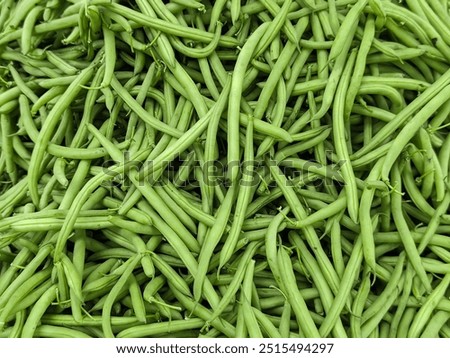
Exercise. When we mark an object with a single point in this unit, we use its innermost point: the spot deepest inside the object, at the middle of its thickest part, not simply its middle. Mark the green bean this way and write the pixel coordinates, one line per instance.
(151, 195)
(25, 88)
(48, 128)
(133, 196)
(164, 26)
(25, 274)
(31, 298)
(7, 147)
(372, 316)
(45, 224)
(48, 331)
(17, 16)
(63, 289)
(436, 21)
(401, 306)
(131, 201)
(153, 287)
(171, 275)
(150, 330)
(288, 29)
(312, 85)
(423, 101)
(424, 313)
(115, 84)
(4, 14)
(7, 277)
(205, 314)
(106, 319)
(311, 236)
(163, 11)
(199, 53)
(81, 197)
(88, 321)
(435, 324)
(346, 284)
(59, 172)
(9, 107)
(184, 217)
(101, 284)
(339, 136)
(285, 320)
(267, 129)
(186, 256)
(190, 136)
(235, 99)
(365, 218)
(428, 179)
(61, 64)
(110, 56)
(338, 53)
(410, 129)
(188, 206)
(243, 199)
(37, 312)
(137, 300)
(212, 239)
(54, 25)
(294, 297)
(405, 234)
(185, 170)
(275, 27)
(250, 320)
(434, 223)
(164, 47)
(237, 280)
(302, 145)
(18, 325)
(324, 290)
(358, 306)
(277, 118)
(22, 292)
(332, 209)
(357, 77)
(336, 246)
(74, 280)
(241, 327)
(271, 243)
(414, 192)
(443, 156)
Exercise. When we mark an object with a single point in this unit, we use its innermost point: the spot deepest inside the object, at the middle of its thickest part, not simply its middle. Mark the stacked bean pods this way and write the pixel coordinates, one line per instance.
(260, 168)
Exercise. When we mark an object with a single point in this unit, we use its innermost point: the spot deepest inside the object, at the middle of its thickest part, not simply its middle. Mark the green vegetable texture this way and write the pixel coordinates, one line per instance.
(198, 168)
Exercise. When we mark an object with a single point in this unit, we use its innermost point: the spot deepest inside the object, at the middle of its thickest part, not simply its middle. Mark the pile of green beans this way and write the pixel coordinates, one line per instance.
(198, 168)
